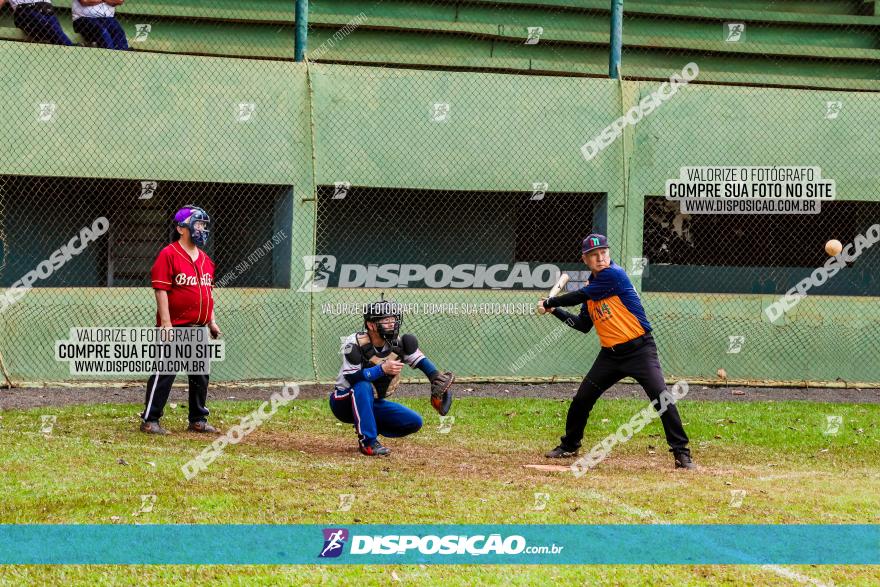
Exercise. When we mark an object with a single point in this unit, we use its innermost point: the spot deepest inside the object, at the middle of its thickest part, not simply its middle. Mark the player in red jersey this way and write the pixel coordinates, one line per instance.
(182, 279)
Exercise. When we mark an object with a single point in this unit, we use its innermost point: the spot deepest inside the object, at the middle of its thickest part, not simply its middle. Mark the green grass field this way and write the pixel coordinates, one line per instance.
(774, 456)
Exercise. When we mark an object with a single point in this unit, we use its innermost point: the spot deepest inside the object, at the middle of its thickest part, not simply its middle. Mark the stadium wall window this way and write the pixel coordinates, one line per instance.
(378, 226)
(754, 253)
(40, 214)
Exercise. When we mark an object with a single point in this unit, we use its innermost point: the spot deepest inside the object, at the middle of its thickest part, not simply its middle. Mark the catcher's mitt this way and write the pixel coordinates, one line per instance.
(441, 395)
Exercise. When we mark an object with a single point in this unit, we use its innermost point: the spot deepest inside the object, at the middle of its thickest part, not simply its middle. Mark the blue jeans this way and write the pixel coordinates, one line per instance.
(372, 417)
(40, 27)
(106, 32)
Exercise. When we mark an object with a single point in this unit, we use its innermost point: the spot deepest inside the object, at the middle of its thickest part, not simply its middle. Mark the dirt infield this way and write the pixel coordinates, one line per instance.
(23, 398)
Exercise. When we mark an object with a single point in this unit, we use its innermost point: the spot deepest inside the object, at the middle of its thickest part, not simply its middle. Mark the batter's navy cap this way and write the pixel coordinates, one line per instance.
(594, 241)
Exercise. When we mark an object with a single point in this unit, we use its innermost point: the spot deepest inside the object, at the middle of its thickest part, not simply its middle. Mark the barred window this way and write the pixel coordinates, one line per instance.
(41, 215)
(364, 226)
(755, 253)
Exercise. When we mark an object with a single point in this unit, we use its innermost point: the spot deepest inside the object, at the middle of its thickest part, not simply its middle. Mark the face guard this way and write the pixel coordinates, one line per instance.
(188, 217)
(377, 311)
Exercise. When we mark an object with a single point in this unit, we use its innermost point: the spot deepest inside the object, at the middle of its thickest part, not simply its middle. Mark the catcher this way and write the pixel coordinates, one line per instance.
(371, 365)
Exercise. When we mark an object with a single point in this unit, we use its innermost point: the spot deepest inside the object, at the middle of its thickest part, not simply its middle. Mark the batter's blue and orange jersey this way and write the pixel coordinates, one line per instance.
(610, 303)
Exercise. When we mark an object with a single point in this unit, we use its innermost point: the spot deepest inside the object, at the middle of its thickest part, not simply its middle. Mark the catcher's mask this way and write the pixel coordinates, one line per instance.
(376, 311)
(187, 217)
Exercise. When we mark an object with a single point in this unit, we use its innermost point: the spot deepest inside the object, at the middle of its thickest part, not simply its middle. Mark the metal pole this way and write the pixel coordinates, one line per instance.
(302, 30)
(9, 384)
(616, 39)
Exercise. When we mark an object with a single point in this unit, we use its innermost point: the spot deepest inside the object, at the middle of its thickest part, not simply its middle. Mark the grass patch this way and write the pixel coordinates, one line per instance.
(94, 467)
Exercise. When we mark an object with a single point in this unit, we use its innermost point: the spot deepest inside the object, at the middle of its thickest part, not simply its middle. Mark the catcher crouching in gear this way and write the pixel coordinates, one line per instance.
(371, 364)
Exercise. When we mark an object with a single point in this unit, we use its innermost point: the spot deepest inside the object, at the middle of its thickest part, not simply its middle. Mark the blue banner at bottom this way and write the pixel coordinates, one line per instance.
(441, 544)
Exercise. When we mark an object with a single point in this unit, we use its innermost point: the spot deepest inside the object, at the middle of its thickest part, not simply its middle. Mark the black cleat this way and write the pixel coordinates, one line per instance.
(153, 428)
(561, 452)
(684, 461)
(375, 450)
(202, 427)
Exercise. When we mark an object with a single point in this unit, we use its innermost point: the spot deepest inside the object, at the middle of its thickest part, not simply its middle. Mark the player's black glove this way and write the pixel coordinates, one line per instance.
(441, 395)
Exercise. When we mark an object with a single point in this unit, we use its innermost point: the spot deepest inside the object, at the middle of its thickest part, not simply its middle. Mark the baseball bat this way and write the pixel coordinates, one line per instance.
(560, 284)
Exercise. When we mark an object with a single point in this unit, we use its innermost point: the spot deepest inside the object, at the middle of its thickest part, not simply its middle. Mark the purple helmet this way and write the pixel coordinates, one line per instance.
(187, 218)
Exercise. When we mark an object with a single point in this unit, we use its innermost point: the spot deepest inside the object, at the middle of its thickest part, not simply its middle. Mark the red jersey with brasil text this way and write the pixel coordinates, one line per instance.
(188, 283)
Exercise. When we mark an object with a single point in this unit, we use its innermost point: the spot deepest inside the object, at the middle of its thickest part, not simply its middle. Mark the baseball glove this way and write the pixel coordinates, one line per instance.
(441, 396)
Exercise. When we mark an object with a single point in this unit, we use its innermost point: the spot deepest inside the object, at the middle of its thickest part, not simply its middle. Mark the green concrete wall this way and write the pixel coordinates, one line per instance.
(172, 118)
(824, 43)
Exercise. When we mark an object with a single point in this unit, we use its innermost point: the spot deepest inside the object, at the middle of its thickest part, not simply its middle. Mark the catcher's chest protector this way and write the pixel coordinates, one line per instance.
(368, 351)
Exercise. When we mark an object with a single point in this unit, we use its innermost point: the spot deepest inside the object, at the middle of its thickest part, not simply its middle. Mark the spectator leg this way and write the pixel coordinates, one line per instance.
(40, 27)
(120, 42)
(94, 31)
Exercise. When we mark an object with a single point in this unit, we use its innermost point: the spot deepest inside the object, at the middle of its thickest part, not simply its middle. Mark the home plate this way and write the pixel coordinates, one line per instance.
(554, 468)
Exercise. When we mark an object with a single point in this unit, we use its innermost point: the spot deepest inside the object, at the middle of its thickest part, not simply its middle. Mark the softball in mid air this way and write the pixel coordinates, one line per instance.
(833, 247)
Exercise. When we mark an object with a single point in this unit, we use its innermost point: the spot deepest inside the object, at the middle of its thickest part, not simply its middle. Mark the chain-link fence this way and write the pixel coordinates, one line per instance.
(451, 156)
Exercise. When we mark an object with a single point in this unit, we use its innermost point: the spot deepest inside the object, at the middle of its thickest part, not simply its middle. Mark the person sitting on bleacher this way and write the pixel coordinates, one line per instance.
(96, 21)
(37, 19)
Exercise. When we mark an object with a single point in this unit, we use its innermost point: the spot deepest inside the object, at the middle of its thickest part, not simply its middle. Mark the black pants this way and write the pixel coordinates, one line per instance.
(643, 365)
(158, 389)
